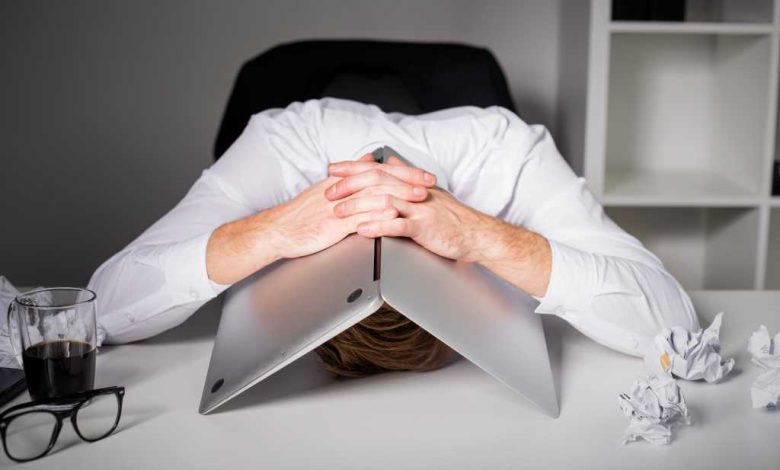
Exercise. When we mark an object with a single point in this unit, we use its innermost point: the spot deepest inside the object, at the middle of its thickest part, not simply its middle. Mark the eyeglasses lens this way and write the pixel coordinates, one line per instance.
(28, 435)
(96, 418)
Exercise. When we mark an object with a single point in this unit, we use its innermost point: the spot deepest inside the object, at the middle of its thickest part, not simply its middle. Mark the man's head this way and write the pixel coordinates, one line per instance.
(385, 341)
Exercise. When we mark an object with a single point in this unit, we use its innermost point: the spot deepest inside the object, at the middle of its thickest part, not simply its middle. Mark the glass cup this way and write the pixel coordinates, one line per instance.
(57, 332)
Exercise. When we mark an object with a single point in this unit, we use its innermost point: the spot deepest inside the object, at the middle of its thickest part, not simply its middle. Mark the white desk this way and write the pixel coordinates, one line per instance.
(454, 418)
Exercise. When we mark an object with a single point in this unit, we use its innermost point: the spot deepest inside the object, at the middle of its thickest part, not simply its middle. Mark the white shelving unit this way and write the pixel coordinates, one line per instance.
(677, 133)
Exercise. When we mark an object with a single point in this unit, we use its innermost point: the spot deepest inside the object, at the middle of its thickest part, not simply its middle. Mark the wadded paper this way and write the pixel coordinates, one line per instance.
(7, 357)
(765, 391)
(687, 355)
(765, 350)
(654, 407)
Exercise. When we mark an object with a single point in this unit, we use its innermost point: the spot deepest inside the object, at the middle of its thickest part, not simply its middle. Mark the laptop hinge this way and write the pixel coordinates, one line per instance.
(377, 258)
(379, 156)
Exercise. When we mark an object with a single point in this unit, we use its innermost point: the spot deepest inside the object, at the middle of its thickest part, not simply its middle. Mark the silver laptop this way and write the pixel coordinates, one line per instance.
(289, 308)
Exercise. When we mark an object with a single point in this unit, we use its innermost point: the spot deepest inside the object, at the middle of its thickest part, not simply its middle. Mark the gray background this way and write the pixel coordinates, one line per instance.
(108, 110)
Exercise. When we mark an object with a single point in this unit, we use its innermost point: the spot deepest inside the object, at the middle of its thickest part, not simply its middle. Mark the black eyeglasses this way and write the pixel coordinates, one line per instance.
(30, 430)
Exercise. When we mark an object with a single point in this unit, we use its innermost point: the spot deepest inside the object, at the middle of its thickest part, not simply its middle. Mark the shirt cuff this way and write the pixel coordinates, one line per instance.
(185, 270)
(571, 281)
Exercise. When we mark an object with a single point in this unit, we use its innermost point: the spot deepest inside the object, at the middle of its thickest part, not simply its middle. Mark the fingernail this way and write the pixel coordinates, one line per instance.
(365, 228)
(418, 191)
(332, 190)
(333, 167)
(429, 178)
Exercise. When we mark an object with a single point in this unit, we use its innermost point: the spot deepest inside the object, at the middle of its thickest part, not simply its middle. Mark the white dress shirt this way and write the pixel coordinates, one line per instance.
(603, 281)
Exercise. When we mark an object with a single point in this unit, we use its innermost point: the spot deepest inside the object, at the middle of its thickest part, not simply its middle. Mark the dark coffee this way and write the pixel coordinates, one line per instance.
(56, 368)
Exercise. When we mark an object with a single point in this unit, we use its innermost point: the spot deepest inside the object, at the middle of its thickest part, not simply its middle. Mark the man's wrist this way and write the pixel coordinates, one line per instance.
(237, 249)
(518, 255)
(489, 240)
(264, 239)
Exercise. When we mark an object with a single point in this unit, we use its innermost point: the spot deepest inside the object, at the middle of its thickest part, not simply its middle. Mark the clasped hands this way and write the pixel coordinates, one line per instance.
(375, 200)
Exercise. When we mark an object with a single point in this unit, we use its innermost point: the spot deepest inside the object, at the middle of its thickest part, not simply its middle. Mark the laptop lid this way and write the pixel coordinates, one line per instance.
(286, 310)
(479, 315)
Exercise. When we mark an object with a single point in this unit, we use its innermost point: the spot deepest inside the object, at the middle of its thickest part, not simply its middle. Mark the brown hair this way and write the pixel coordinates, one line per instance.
(384, 341)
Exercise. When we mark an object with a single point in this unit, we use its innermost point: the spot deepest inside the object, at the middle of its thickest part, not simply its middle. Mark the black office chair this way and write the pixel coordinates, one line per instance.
(412, 78)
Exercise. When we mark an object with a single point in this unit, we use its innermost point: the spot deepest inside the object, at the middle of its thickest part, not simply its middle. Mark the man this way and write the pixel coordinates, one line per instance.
(484, 187)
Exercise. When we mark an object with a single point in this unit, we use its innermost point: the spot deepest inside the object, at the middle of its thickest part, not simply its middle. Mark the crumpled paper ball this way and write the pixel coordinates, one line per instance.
(688, 355)
(654, 408)
(765, 390)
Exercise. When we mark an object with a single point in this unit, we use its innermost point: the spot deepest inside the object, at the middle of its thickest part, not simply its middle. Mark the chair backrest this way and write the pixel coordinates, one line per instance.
(412, 78)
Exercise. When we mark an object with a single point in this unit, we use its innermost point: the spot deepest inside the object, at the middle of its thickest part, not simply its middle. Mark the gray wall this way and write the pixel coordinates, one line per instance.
(108, 110)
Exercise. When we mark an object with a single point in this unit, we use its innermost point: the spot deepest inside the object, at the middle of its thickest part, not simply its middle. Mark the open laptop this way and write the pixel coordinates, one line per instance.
(289, 308)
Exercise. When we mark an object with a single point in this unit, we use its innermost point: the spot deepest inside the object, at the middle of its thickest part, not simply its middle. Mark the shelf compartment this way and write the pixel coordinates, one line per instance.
(705, 11)
(689, 111)
(665, 27)
(676, 188)
(738, 11)
(704, 248)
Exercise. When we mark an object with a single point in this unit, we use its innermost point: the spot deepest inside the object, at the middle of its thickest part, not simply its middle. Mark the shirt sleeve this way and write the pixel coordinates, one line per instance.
(604, 282)
(160, 279)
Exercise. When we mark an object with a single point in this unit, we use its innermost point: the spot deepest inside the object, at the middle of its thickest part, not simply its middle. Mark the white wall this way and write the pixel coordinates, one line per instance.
(108, 110)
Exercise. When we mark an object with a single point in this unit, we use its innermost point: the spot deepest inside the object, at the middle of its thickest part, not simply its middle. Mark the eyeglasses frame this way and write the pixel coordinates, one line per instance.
(74, 402)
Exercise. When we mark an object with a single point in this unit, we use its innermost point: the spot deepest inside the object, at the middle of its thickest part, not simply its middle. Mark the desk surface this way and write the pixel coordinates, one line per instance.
(457, 417)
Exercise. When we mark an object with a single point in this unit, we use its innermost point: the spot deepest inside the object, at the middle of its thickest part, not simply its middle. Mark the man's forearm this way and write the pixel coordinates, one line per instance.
(237, 249)
(519, 256)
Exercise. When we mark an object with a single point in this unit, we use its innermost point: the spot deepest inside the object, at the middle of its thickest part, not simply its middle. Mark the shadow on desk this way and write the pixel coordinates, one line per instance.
(302, 377)
(202, 325)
